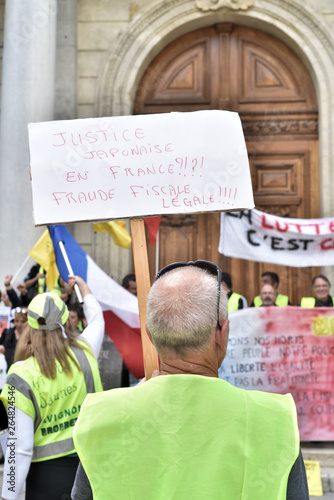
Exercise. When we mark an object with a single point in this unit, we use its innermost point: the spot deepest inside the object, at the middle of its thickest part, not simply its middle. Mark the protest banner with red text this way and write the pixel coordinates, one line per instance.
(261, 237)
(286, 350)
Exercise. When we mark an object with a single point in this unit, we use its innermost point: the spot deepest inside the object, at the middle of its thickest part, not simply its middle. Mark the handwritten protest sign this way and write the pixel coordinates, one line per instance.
(286, 349)
(262, 237)
(131, 166)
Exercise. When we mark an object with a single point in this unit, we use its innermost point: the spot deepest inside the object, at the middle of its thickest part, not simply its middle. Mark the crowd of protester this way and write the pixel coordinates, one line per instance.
(270, 296)
(51, 347)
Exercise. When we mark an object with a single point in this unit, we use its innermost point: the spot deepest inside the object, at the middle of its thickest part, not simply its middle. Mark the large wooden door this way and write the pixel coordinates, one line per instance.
(245, 70)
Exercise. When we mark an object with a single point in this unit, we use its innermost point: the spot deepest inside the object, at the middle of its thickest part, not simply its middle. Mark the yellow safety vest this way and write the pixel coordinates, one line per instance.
(41, 282)
(233, 302)
(281, 300)
(53, 404)
(310, 302)
(187, 437)
(57, 288)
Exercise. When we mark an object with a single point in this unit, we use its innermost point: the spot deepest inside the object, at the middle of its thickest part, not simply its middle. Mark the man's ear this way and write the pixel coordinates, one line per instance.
(148, 333)
(221, 335)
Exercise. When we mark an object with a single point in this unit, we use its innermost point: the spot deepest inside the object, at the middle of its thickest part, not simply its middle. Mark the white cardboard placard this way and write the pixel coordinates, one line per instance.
(142, 165)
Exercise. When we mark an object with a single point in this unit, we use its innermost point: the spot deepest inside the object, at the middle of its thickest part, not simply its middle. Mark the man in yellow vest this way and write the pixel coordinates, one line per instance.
(185, 434)
(35, 281)
(321, 287)
(271, 278)
(235, 301)
(267, 295)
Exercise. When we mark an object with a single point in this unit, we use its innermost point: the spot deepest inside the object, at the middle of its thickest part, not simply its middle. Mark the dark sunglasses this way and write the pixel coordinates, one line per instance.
(206, 265)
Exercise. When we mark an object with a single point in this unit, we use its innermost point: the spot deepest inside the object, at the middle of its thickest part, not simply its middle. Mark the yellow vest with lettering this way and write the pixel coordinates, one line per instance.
(187, 437)
(281, 300)
(233, 302)
(53, 404)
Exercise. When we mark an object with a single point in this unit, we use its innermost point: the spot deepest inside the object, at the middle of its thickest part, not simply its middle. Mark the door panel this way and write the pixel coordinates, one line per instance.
(245, 70)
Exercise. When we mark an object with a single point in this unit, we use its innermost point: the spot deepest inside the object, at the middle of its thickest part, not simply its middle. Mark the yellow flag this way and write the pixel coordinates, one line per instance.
(43, 253)
(117, 230)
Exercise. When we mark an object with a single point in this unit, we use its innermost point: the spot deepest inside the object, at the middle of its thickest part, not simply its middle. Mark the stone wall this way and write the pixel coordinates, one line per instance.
(117, 40)
(102, 63)
(2, 22)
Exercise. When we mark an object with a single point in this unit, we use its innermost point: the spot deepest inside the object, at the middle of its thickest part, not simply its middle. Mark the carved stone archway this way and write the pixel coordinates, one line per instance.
(155, 26)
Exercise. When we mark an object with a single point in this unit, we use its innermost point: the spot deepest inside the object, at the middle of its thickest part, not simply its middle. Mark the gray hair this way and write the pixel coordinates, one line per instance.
(182, 310)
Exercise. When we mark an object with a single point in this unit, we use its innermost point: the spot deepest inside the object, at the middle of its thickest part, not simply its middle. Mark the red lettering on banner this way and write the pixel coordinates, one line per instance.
(70, 177)
(83, 197)
(264, 224)
(282, 230)
(283, 227)
(327, 244)
(63, 140)
(299, 228)
(100, 135)
(317, 226)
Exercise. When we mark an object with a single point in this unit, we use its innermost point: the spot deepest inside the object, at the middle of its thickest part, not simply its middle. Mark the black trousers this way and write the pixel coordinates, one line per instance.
(52, 479)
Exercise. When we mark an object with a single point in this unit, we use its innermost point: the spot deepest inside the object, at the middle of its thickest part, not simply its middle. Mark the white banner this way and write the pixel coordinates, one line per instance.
(261, 237)
(131, 166)
(286, 350)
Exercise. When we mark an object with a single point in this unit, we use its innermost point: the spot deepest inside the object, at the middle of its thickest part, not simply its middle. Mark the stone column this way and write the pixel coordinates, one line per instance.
(66, 61)
(28, 86)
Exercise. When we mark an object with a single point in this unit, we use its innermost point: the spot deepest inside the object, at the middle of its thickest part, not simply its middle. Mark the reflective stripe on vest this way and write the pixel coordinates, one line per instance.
(161, 419)
(281, 300)
(233, 302)
(60, 417)
(23, 386)
(85, 367)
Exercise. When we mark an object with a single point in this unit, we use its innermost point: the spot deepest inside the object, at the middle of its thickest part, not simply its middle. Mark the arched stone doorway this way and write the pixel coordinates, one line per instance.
(245, 70)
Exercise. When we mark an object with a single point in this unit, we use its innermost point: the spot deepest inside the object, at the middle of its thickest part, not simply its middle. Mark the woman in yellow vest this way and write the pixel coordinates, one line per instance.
(321, 287)
(52, 373)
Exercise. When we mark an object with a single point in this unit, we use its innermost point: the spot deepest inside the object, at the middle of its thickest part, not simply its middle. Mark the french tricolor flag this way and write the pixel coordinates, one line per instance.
(120, 307)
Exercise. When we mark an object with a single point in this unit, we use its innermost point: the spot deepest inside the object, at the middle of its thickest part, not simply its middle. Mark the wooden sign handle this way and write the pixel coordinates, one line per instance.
(142, 273)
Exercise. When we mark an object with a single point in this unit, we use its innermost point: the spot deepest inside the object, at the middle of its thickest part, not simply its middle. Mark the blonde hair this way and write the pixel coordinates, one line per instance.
(48, 346)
